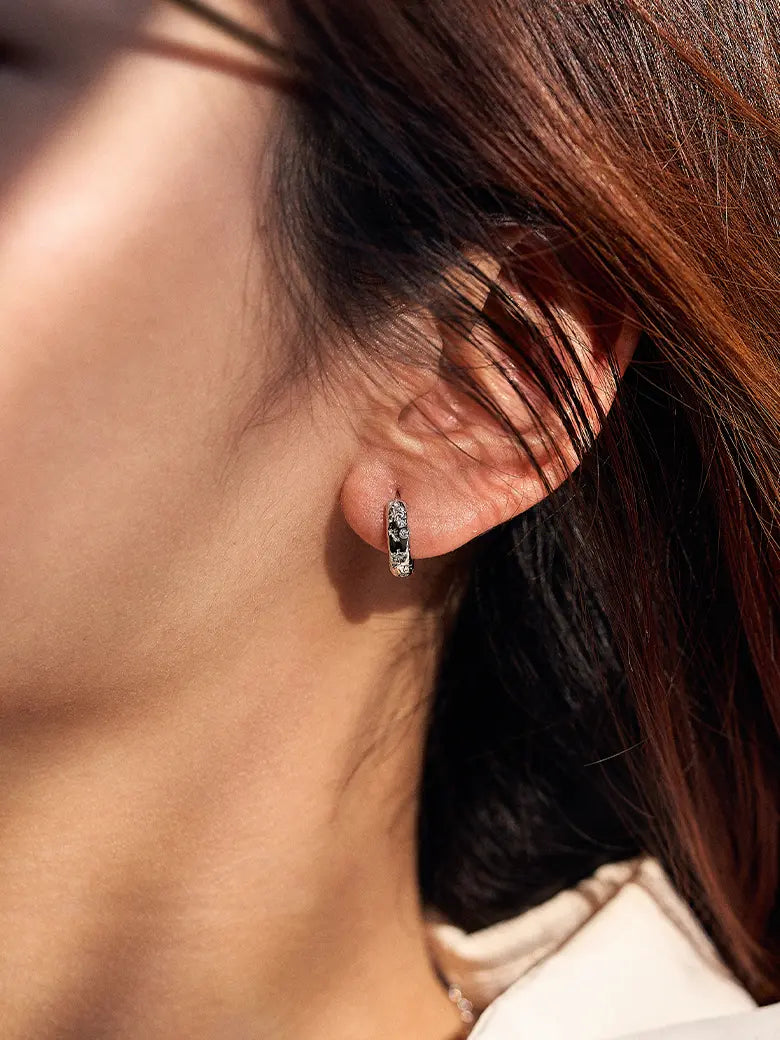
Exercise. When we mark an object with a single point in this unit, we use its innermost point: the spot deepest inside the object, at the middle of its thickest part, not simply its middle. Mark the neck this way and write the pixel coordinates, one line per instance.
(234, 859)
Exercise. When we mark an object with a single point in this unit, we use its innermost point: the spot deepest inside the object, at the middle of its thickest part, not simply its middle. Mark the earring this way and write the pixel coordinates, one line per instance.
(397, 524)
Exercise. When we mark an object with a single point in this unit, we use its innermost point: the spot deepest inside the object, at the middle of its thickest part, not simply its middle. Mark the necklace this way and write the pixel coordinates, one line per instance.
(463, 1004)
(456, 995)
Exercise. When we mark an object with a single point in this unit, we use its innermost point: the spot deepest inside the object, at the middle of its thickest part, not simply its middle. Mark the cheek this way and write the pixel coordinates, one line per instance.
(125, 256)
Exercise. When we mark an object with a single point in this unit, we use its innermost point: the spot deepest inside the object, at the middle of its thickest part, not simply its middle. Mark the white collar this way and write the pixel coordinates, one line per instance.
(619, 951)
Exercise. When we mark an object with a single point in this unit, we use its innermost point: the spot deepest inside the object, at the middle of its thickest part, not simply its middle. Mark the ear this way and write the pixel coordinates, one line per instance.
(459, 469)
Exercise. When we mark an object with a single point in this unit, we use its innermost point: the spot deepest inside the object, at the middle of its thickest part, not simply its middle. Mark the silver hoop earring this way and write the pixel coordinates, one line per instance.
(397, 524)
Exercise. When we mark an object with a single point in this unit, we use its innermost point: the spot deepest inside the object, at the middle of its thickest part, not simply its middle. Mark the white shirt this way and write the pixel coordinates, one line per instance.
(617, 957)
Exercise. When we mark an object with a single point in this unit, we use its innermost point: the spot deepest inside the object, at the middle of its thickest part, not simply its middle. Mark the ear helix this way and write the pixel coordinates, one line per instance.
(397, 526)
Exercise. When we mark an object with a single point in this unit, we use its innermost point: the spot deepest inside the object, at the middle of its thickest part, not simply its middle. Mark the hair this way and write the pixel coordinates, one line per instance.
(609, 681)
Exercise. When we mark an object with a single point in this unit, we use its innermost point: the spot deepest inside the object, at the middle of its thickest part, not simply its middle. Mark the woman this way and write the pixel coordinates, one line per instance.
(389, 538)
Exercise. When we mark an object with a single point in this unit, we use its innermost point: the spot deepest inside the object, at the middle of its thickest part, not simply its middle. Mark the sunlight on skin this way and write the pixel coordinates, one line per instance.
(197, 651)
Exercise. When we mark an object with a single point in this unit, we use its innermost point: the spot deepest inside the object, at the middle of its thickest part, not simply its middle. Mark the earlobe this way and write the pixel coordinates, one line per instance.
(453, 489)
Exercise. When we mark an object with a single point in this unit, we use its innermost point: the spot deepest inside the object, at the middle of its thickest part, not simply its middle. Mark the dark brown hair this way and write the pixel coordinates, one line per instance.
(610, 681)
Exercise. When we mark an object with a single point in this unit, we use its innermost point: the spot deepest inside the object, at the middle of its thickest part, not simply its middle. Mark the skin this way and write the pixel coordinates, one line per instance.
(212, 691)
